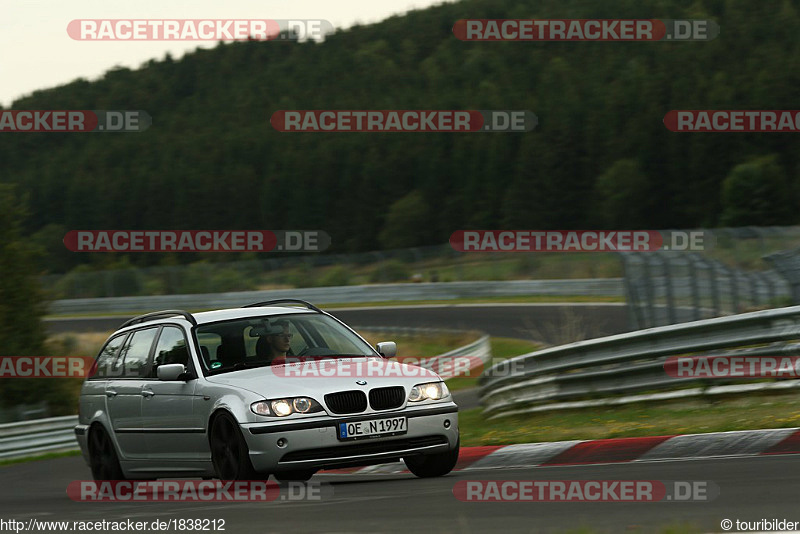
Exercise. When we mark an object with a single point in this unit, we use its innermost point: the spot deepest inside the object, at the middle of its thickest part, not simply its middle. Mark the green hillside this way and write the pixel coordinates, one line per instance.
(600, 156)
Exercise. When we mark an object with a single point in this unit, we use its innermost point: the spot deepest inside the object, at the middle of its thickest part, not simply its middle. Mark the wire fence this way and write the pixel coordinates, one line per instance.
(745, 271)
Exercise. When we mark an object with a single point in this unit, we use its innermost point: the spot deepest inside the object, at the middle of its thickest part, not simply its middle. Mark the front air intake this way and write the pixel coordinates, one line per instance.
(387, 398)
(346, 402)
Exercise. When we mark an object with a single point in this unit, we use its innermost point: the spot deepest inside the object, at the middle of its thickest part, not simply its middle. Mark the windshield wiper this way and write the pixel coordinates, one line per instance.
(247, 365)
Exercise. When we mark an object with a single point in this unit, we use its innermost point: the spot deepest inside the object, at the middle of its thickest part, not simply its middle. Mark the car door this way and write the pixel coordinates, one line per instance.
(124, 393)
(173, 431)
(92, 403)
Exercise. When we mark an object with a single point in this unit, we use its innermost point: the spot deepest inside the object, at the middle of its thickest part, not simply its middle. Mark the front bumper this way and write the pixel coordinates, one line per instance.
(312, 443)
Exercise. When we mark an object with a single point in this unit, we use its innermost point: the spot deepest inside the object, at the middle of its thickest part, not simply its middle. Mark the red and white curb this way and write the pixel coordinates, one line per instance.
(602, 451)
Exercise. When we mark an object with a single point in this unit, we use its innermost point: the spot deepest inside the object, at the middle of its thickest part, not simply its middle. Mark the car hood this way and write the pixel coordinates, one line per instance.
(317, 378)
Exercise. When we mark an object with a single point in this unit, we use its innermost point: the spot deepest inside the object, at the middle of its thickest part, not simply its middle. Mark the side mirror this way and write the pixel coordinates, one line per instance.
(171, 372)
(387, 349)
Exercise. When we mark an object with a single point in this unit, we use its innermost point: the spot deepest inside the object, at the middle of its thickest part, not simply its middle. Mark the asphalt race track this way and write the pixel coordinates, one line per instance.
(524, 321)
(750, 489)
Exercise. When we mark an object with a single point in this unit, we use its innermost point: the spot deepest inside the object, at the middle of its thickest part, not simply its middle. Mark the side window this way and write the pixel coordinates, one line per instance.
(171, 348)
(104, 364)
(136, 351)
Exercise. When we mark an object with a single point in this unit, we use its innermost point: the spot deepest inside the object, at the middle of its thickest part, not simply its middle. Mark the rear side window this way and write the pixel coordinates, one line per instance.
(171, 348)
(136, 351)
(104, 364)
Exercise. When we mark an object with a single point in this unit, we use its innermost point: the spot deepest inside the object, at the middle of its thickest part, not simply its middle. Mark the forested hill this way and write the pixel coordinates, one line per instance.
(600, 156)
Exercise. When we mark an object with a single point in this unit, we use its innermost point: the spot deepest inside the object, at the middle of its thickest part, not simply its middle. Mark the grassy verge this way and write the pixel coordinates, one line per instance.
(47, 456)
(420, 346)
(502, 349)
(664, 418)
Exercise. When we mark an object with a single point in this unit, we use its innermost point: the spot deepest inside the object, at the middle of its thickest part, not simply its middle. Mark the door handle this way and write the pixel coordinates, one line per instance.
(147, 393)
(111, 393)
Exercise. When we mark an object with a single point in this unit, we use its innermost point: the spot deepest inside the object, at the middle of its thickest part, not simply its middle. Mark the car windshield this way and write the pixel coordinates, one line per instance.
(264, 340)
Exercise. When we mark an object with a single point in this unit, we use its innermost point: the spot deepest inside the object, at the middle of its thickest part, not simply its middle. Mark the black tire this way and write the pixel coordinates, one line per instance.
(295, 476)
(433, 465)
(229, 452)
(103, 457)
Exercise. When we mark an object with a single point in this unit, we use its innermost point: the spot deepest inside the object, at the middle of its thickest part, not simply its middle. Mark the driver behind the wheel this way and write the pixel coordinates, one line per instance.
(276, 343)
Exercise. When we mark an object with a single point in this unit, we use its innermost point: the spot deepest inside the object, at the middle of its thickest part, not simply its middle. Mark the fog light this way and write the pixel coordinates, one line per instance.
(282, 442)
(447, 423)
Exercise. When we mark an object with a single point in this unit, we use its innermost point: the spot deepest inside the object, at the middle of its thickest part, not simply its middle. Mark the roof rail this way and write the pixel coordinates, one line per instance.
(277, 301)
(155, 315)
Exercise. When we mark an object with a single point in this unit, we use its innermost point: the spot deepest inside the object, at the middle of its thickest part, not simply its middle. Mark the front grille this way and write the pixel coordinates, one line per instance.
(387, 398)
(353, 401)
(358, 449)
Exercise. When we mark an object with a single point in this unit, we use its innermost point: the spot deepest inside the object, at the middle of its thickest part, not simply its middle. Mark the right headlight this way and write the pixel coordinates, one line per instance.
(284, 407)
(428, 391)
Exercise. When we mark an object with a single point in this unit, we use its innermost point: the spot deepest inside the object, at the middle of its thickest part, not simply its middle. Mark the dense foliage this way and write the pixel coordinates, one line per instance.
(600, 156)
(21, 304)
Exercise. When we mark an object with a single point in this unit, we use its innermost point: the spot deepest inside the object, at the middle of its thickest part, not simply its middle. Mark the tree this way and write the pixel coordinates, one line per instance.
(22, 306)
(758, 193)
(407, 223)
(621, 197)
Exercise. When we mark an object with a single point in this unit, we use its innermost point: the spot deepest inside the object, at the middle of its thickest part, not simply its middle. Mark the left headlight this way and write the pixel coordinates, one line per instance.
(428, 391)
(284, 407)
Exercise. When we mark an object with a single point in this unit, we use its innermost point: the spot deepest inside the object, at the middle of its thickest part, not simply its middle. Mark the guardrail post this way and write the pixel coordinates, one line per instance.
(665, 263)
(733, 282)
(754, 279)
(630, 281)
(772, 292)
(695, 290)
(650, 296)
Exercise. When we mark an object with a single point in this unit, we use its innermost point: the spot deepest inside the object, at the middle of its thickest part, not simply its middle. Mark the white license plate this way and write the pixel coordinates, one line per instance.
(373, 428)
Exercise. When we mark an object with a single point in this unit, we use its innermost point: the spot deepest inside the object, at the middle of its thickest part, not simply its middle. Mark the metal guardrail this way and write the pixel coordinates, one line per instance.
(604, 287)
(40, 436)
(627, 363)
(477, 351)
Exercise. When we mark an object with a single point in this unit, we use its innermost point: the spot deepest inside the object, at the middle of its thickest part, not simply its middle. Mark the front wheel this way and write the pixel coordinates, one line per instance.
(229, 452)
(433, 465)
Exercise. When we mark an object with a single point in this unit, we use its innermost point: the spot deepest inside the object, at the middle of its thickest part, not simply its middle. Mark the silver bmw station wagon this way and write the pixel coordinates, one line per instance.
(275, 388)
